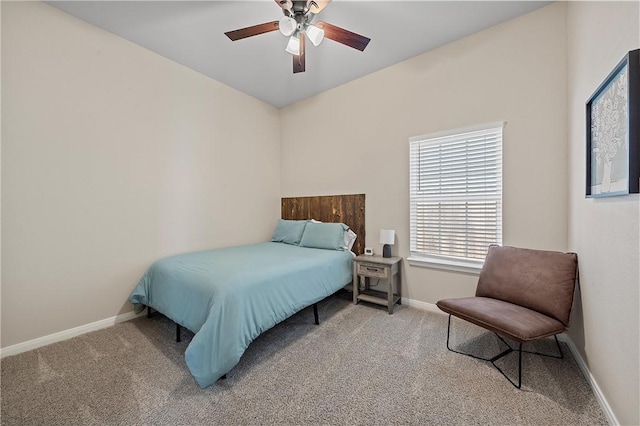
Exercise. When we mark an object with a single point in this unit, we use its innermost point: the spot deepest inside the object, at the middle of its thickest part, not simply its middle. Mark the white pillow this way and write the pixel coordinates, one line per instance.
(349, 238)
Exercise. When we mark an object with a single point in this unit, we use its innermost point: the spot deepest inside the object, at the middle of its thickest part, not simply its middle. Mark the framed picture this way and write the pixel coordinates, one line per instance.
(613, 132)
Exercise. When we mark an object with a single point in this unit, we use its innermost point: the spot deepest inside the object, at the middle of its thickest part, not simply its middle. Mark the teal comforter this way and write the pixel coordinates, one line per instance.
(228, 296)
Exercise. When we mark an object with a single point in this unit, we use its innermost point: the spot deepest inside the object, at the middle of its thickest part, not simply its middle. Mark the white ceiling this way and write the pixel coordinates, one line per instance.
(192, 34)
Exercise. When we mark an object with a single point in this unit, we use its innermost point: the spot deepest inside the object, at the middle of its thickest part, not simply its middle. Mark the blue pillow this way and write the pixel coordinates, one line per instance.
(328, 236)
(289, 231)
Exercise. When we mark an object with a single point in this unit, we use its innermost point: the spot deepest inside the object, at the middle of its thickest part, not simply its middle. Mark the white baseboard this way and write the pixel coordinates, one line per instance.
(66, 334)
(422, 305)
(606, 408)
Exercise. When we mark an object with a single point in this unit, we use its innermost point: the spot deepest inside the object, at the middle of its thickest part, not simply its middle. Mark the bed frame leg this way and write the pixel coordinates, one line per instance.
(315, 313)
(178, 333)
(148, 311)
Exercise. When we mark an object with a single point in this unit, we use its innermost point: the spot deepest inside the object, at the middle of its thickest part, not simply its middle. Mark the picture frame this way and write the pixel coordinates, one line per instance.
(613, 132)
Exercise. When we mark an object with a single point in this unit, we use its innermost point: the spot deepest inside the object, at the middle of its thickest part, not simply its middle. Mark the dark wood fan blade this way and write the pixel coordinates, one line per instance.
(318, 6)
(298, 60)
(251, 31)
(343, 36)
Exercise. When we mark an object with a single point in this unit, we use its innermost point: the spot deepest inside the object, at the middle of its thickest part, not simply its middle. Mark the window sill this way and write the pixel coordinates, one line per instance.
(469, 267)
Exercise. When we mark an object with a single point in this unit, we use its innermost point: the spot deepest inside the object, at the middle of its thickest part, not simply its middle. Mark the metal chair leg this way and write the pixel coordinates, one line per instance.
(178, 333)
(519, 365)
(502, 354)
(559, 348)
(495, 358)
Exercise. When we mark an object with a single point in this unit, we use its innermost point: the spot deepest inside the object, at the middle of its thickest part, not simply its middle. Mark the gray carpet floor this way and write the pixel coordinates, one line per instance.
(359, 366)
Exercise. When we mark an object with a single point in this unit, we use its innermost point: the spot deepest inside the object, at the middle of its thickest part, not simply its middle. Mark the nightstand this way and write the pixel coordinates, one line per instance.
(366, 268)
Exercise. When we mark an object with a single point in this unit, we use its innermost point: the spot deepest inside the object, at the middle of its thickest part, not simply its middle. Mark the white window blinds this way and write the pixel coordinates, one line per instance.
(456, 194)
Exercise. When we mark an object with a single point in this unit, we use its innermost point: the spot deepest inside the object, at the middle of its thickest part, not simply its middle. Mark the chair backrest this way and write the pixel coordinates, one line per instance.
(536, 279)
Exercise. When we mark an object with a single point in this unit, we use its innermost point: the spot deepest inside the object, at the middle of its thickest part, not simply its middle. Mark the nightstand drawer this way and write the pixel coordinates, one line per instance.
(370, 270)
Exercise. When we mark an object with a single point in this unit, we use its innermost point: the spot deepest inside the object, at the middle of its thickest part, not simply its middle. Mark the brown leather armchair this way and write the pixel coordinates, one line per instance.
(522, 294)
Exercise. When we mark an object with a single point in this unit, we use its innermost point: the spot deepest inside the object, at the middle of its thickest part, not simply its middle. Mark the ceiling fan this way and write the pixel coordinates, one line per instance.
(296, 23)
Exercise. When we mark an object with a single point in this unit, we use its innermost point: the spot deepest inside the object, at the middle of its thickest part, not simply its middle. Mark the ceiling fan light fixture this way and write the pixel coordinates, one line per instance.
(293, 46)
(285, 4)
(315, 34)
(287, 25)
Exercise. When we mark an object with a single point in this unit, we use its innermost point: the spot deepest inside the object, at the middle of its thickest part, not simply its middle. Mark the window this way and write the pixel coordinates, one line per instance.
(455, 197)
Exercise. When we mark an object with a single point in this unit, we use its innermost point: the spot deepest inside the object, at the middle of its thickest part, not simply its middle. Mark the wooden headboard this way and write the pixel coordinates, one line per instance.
(348, 209)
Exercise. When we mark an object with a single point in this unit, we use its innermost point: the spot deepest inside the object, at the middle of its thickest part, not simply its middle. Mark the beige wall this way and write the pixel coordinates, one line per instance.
(604, 232)
(113, 157)
(355, 138)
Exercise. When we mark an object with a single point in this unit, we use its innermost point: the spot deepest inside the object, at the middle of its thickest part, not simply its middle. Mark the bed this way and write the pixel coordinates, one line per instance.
(227, 297)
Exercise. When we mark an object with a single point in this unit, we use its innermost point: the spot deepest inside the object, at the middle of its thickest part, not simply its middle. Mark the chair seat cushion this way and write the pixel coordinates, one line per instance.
(504, 318)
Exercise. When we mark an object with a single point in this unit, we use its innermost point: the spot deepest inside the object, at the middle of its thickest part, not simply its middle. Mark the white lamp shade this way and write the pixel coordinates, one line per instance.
(287, 25)
(315, 34)
(294, 45)
(387, 236)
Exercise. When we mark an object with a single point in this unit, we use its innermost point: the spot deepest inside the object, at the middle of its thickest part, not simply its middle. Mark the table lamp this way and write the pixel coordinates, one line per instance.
(387, 237)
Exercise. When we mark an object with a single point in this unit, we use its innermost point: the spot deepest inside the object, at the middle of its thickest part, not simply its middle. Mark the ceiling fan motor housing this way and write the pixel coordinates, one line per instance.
(299, 10)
